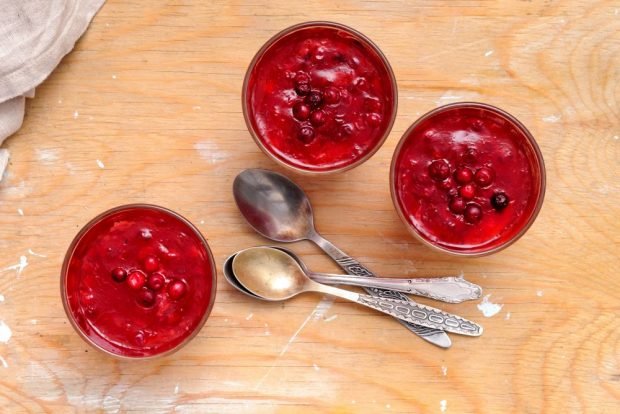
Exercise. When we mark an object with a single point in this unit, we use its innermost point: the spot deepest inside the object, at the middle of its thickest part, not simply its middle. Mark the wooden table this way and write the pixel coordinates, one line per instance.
(147, 109)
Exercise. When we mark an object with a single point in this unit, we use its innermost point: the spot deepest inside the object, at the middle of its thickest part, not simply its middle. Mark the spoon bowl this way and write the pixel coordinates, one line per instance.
(273, 205)
(269, 273)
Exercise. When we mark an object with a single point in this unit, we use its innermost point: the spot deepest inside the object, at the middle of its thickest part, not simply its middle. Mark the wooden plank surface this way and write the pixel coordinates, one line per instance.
(147, 109)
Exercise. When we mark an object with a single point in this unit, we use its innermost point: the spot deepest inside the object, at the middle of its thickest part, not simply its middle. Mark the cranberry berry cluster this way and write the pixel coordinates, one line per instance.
(468, 181)
(147, 286)
(312, 112)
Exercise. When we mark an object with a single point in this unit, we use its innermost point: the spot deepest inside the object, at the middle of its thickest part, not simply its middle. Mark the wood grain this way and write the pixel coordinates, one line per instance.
(152, 91)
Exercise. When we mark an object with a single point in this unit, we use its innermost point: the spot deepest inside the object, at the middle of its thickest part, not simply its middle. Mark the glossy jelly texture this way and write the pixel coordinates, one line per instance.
(320, 98)
(493, 186)
(118, 278)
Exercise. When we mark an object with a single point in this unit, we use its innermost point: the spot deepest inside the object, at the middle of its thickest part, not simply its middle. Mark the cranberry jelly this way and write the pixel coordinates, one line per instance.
(319, 97)
(138, 281)
(468, 178)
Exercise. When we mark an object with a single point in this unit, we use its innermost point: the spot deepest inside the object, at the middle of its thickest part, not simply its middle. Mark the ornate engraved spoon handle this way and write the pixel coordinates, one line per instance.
(405, 310)
(353, 267)
(449, 289)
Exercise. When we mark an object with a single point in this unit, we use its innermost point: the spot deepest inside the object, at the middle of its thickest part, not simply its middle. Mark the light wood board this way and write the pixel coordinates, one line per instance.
(147, 109)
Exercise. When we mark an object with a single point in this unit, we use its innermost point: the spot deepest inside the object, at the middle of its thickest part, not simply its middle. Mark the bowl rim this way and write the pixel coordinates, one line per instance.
(539, 159)
(268, 44)
(71, 250)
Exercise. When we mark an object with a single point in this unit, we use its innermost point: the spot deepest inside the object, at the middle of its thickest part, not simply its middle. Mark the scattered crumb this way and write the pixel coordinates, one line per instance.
(19, 267)
(176, 389)
(196, 108)
(444, 370)
(507, 317)
(388, 406)
(33, 321)
(20, 211)
(3, 361)
(202, 222)
(488, 53)
(113, 76)
(5, 332)
(488, 308)
(331, 318)
(1, 298)
(100, 164)
(76, 115)
(552, 118)
(32, 253)
(539, 293)
(316, 367)
(443, 405)
(250, 316)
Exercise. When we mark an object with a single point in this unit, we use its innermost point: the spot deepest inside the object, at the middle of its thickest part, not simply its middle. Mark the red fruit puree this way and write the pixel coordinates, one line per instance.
(320, 98)
(467, 178)
(139, 281)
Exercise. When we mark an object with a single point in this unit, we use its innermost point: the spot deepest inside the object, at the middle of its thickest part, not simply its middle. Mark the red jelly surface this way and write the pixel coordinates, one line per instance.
(468, 179)
(125, 315)
(320, 98)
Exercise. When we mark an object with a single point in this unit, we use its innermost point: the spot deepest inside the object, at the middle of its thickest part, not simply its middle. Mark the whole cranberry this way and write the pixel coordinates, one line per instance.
(373, 119)
(463, 175)
(301, 77)
(457, 205)
(473, 213)
(318, 118)
(306, 134)
(177, 289)
(484, 176)
(136, 279)
(439, 170)
(470, 155)
(448, 185)
(331, 96)
(314, 99)
(119, 274)
(301, 111)
(468, 191)
(452, 191)
(500, 201)
(302, 89)
(156, 281)
(151, 263)
(147, 298)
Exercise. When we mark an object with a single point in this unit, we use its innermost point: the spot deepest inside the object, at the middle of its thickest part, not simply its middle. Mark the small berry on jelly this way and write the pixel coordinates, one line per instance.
(457, 205)
(119, 274)
(470, 155)
(360, 83)
(156, 281)
(136, 279)
(346, 129)
(372, 104)
(302, 89)
(452, 192)
(146, 298)
(448, 184)
(318, 118)
(373, 119)
(331, 96)
(439, 170)
(467, 191)
(302, 77)
(473, 213)
(177, 289)
(151, 263)
(306, 134)
(314, 99)
(463, 175)
(484, 176)
(500, 201)
(301, 111)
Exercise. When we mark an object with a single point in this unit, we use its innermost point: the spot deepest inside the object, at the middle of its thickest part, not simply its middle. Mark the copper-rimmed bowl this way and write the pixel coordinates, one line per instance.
(138, 281)
(319, 97)
(467, 179)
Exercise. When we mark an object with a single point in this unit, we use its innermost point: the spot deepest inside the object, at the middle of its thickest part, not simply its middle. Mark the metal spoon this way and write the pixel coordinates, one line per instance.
(446, 289)
(279, 209)
(274, 275)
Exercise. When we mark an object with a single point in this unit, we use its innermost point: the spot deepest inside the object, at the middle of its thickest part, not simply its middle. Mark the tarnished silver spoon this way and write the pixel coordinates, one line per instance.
(446, 289)
(274, 275)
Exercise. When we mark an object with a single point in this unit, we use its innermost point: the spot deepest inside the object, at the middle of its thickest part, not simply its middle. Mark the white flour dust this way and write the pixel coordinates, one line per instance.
(488, 308)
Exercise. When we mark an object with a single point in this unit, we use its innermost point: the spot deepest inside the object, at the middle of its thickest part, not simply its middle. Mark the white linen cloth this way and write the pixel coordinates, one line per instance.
(34, 37)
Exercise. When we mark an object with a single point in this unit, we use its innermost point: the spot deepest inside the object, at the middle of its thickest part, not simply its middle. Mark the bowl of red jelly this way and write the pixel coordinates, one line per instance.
(468, 179)
(138, 281)
(319, 97)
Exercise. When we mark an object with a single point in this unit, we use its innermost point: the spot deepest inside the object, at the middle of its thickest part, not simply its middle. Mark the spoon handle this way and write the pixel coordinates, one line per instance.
(405, 310)
(353, 267)
(446, 289)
